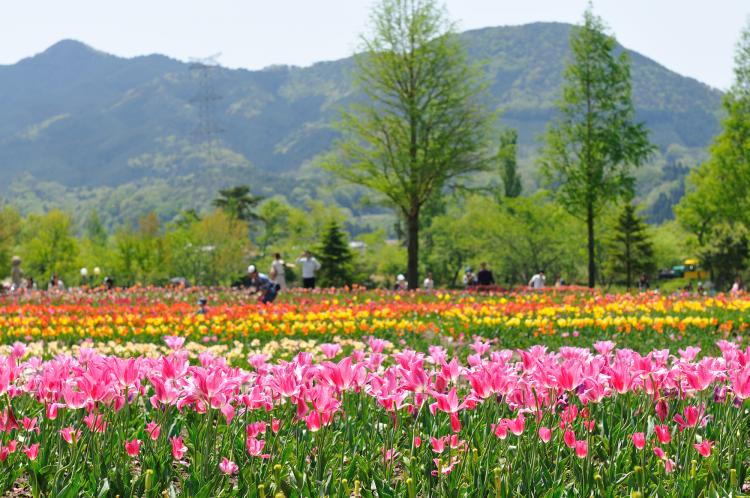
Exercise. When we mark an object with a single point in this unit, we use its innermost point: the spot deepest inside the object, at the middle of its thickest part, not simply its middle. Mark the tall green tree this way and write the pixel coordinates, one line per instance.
(422, 124)
(238, 203)
(335, 257)
(720, 187)
(725, 253)
(49, 247)
(593, 144)
(506, 157)
(10, 231)
(630, 251)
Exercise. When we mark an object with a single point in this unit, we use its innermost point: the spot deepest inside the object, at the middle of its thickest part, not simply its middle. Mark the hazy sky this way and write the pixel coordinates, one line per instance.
(693, 37)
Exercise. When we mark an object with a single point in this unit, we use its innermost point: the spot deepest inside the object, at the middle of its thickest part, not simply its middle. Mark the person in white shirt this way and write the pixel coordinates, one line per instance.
(401, 283)
(278, 271)
(309, 266)
(537, 281)
(428, 283)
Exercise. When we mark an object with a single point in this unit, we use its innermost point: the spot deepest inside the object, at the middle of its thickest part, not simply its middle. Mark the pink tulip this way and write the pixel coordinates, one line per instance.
(178, 447)
(582, 449)
(153, 430)
(660, 453)
(133, 447)
(570, 439)
(516, 425)
(228, 467)
(417, 441)
(255, 447)
(70, 435)
(639, 440)
(330, 350)
(741, 382)
(275, 425)
(32, 451)
(455, 422)
(704, 448)
(545, 434)
(438, 444)
(663, 434)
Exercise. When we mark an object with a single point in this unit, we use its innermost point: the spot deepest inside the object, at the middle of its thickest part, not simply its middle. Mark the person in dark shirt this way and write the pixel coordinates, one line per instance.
(485, 277)
(267, 288)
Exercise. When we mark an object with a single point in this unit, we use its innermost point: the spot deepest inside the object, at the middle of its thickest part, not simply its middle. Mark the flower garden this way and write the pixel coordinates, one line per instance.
(558, 393)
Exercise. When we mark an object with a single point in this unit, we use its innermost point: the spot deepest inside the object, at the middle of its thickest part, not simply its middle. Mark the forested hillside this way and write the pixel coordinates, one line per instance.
(82, 130)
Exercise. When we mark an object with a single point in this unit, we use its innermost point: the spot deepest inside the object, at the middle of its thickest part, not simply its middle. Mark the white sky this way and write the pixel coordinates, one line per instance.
(693, 37)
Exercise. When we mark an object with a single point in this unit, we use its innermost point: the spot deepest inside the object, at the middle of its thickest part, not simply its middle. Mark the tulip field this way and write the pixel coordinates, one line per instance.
(562, 393)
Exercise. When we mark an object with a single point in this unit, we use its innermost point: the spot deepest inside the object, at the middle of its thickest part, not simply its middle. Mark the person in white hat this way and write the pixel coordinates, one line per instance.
(401, 283)
(264, 286)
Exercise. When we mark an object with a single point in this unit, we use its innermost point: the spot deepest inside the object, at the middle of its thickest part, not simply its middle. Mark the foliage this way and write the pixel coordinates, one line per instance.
(10, 231)
(518, 237)
(592, 146)
(507, 160)
(49, 247)
(238, 203)
(725, 253)
(720, 191)
(631, 251)
(335, 258)
(209, 251)
(422, 124)
(140, 255)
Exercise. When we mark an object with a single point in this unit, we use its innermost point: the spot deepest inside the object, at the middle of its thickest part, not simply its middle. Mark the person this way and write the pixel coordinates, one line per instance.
(55, 283)
(84, 277)
(737, 286)
(202, 306)
(485, 276)
(643, 283)
(16, 273)
(429, 283)
(278, 271)
(537, 281)
(309, 266)
(401, 283)
(263, 285)
(470, 280)
(109, 283)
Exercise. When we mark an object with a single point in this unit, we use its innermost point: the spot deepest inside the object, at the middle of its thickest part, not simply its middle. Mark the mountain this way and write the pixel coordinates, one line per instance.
(82, 129)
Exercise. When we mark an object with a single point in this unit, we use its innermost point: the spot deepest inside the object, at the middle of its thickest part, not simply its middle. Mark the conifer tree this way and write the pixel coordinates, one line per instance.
(508, 164)
(335, 258)
(631, 251)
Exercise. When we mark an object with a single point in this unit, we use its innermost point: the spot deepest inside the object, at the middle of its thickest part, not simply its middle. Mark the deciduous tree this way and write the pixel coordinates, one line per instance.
(422, 124)
(593, 144)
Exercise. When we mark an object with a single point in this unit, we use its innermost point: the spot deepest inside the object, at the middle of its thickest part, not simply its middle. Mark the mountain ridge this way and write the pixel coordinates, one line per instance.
(79, 127)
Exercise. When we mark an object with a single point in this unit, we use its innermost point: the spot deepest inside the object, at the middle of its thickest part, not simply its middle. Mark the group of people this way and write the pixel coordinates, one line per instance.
(485, 278)
(268, 286)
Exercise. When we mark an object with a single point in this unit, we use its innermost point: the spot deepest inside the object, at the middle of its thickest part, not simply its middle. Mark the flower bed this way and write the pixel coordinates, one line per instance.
(402, 423)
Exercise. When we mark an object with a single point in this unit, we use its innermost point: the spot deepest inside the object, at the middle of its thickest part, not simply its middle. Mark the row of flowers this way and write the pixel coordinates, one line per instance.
(500, 423)
(107, 317)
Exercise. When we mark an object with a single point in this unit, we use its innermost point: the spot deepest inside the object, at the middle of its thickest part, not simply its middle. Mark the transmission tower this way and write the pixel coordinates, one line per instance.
(205, 100)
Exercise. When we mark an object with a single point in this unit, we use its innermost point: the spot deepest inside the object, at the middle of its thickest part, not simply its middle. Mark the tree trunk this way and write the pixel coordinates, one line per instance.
(592, 252)
(412, 249)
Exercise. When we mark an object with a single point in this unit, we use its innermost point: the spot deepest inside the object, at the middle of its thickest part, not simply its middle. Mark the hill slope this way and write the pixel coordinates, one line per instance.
(83, 129)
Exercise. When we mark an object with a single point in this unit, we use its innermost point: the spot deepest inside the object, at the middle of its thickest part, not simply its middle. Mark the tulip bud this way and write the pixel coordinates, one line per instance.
(357, 485)
(693, 468)
(636, 494)
(496, 471)
(149, 480)
(733, 478)
(410, 488)
(261, 490)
